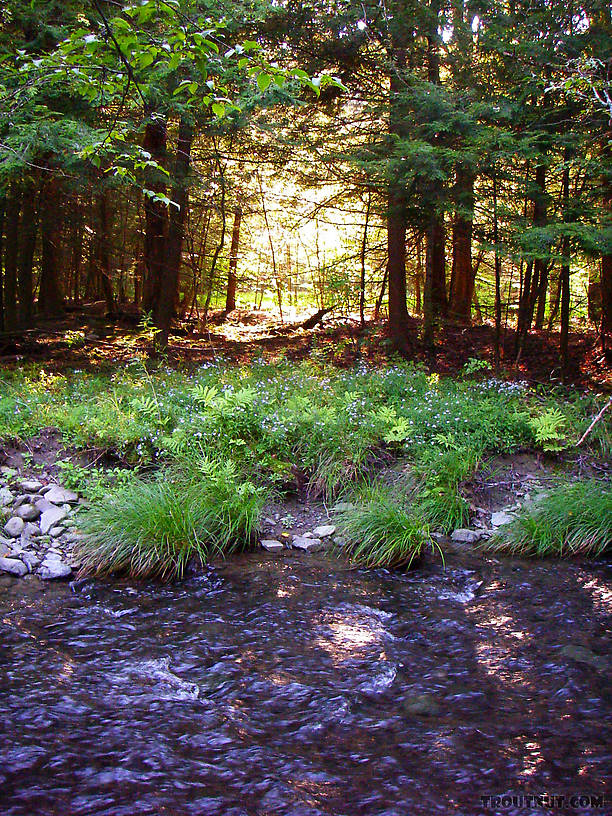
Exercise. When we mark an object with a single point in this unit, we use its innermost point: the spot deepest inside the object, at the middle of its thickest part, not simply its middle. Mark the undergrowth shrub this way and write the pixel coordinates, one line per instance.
(151, 529)
(571, 520)
(381, 530)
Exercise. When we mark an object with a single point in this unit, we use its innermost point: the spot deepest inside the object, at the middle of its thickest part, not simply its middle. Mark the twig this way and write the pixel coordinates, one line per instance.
(594, 422)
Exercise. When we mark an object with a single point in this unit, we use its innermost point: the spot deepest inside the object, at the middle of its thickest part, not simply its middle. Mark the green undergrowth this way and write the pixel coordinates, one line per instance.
(574, 519)
(152, 529)
(282, 427)
(382, 529)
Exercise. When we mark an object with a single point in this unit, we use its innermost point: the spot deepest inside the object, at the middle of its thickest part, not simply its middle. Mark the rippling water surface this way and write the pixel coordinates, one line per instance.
(297, 687)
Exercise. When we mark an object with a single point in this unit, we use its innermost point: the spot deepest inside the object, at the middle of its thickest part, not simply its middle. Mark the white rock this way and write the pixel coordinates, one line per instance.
(51, 517)
(13, 566)
(466, 536)
(30, 485)
(500, 518)
(307, 544)
(55, 532)
(30, 559)
(51, 570)
(59, 495)
(6, 497)
(28, 512)
(14, 527)
(271, 545)
(324, 531)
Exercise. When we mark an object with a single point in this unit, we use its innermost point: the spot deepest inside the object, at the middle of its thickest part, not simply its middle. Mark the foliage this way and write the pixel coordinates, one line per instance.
(572, 520)
(548, 429)
(381, 529)
(152, 529)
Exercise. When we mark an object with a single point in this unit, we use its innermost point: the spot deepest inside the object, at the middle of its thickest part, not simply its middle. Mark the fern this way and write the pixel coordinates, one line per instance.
(548, 429)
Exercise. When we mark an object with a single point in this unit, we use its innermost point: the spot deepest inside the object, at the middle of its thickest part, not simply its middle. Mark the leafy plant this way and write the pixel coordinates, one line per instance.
(548, 429)
(152, 529)
(572, 520)
(381, 531)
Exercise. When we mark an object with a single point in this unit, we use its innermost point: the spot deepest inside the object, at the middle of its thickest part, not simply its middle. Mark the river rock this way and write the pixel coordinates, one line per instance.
(31, 485)
(28, 512)
(53, 569)
(500, 518)
(55, 532)
(13, 566)
(30, 559)
(51, 517)
(324, 531)
(465, 536)
(307, 544)
(14, 527)
(6, 497)
(59, 495)
(421, 705)
(271, 545)
(583, 655)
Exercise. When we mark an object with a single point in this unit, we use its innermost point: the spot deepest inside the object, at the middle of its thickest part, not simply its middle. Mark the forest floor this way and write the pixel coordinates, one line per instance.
(86, 340)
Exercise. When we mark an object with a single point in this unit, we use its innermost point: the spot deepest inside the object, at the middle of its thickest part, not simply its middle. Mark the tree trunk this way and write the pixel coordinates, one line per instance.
(2, 210)
(13, 206)
(364, 246)
(428, 308)
(462, 280)
(436, 245)
(168, 273)
(156, 213)
(104, 262)
(230, 299)
(27, 246)
(50, 301)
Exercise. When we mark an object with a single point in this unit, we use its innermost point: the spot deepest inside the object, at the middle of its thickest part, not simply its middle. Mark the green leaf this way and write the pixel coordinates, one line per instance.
(263, 81)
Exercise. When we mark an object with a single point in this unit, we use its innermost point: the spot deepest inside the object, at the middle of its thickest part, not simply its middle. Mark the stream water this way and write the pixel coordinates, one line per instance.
(297, 687)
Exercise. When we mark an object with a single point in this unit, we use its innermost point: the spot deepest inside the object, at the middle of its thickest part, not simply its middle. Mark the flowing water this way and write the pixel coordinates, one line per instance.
(295, 686)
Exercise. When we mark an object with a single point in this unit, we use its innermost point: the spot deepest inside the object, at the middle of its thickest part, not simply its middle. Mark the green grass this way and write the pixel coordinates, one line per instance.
(151, 529)
(284, 427)
(572, 520)
(381, 530)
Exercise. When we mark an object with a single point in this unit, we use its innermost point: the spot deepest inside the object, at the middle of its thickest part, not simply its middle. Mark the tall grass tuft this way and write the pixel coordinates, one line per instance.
(152, 529)
(572, 520)
(380, 531)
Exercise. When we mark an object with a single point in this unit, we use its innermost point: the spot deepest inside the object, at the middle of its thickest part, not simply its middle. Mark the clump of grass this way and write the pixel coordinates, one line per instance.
(381, 531)
(444, 508)
(572, 520)
(152, 529)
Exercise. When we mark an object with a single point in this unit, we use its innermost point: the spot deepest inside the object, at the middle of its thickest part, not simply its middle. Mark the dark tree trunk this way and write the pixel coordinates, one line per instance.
(462, 280)
(2, 210)
(533, 272)
(104, 260)
(364, 246)
(396, 206)
(50, 302)
(168, 273)
(396, 271)
(13, 206)
(230, 300)
(436, 246)
(27, 246)
(498, 308)
(428, 308)
(156, 213)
